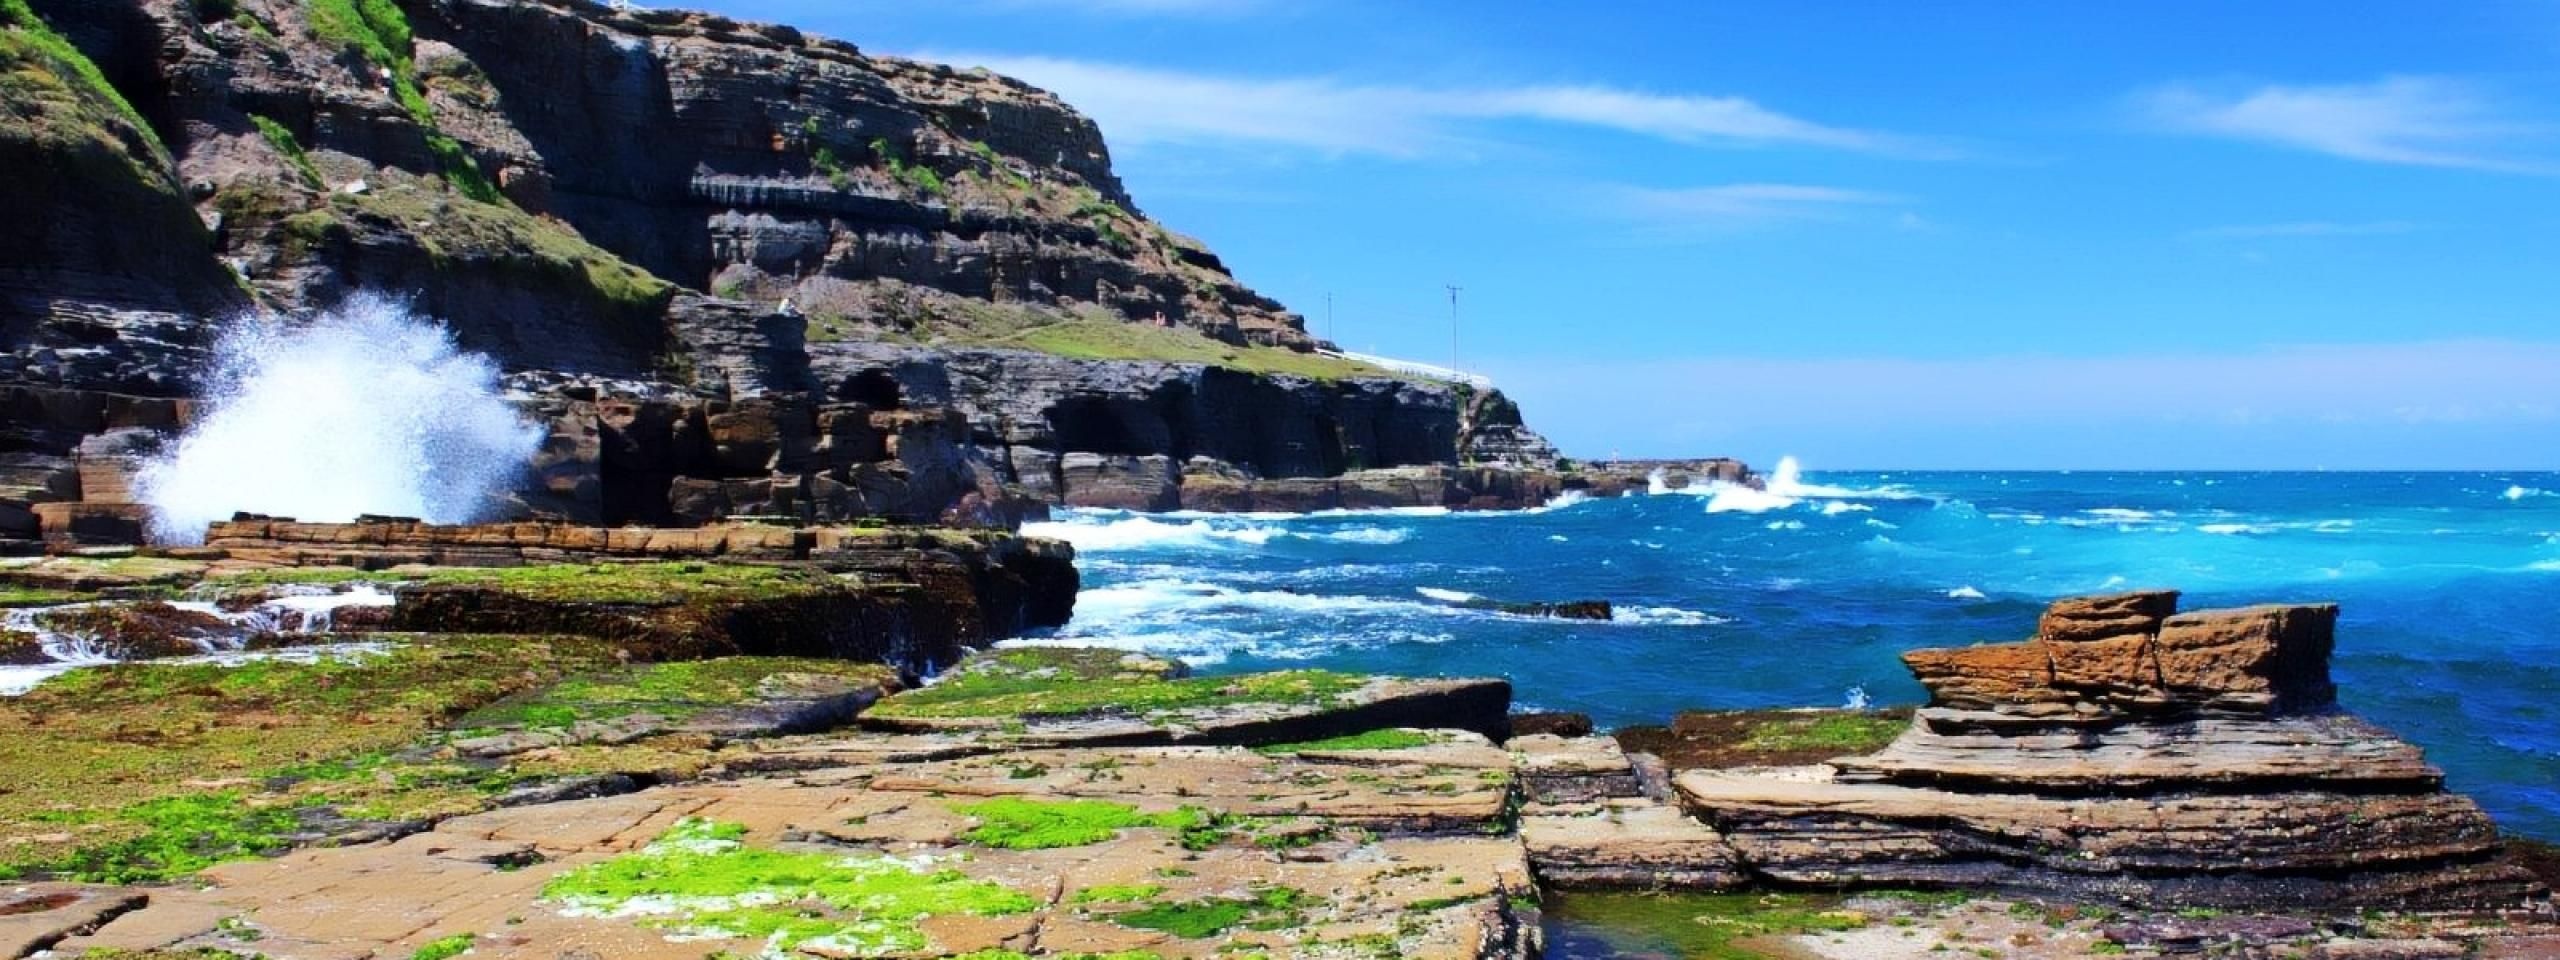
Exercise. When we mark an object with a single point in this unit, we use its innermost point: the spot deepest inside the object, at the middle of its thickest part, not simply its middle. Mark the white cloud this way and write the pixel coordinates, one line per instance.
(1144, 105)
(2306, 228)
(2417, 121)
(1732, 205)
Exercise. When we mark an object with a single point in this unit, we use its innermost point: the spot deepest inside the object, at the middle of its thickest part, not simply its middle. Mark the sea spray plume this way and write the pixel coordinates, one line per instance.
(364, 409)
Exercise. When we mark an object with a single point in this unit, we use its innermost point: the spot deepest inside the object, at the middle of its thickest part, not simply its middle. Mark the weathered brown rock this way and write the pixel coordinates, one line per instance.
(2165, 759)
(1987, 675)
(2274, 657)
(37, 916)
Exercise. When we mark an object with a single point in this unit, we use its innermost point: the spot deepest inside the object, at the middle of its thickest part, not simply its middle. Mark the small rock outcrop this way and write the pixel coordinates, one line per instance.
(2134, 753)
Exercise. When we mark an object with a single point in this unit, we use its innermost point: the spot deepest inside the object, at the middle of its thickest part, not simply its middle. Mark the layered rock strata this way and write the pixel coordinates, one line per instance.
(704, 250)
(2130, 752)
(916, 597)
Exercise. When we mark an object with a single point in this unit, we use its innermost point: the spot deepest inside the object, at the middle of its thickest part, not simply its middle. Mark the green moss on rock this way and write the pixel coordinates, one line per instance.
(461, 229)
(1050, 682)
(716, 886)
(1393, 738)
(1703, 926)
(1270, 908)
(1025, 823)
(674, 691)
(126, 752)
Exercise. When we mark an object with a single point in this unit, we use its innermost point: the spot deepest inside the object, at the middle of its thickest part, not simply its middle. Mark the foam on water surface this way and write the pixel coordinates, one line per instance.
(2446, 584)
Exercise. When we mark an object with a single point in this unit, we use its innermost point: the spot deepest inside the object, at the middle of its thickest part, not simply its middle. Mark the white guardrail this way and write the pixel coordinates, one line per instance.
(1410, 368)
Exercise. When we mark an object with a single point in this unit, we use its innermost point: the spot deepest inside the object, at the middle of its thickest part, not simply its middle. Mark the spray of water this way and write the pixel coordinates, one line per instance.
(365, 409)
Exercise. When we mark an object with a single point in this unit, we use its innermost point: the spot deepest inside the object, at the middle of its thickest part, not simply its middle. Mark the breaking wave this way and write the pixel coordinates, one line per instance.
(364, 409)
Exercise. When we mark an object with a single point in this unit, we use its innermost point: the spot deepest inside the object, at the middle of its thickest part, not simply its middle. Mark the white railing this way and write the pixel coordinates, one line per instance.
(1410, 368)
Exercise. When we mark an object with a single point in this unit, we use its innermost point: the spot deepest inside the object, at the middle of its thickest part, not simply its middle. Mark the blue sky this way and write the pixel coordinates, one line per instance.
(2174, 234)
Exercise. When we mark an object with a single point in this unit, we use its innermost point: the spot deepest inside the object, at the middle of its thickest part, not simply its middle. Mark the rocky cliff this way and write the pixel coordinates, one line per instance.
(740, 269)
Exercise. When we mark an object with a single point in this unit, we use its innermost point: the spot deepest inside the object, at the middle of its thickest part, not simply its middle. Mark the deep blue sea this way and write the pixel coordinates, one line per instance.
(1803, 595)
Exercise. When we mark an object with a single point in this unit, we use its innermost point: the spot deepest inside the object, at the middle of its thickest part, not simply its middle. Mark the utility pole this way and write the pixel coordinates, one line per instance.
(1453, 324)
(1331, 332)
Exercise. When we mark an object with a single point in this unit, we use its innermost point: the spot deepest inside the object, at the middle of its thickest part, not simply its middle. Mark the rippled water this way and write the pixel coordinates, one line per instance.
(1798, 596)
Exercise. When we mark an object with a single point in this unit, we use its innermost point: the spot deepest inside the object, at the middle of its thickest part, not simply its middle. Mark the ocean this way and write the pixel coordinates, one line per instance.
(1805, 593)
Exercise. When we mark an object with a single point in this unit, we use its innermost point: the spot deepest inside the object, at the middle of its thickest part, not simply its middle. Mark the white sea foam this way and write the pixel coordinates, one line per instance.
(17, 680)
(2235, 529)
(298, 611)
(1784, 488)
(1371, 535)
(1101, 532)
(1563, 501)
(1786, 524)
(1667, 617)
(2520, 492)
(1837, 507)
(366, 409)
(1446, 596)
(1966, 592)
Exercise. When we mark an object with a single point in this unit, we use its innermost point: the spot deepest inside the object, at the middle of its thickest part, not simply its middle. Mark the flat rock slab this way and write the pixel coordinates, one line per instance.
(1410, 797)
(1363, 857)
(2297, 849)
(36, 916)
(1956, 747)
(1573, 769)
(1038, 697)
(1631, 844)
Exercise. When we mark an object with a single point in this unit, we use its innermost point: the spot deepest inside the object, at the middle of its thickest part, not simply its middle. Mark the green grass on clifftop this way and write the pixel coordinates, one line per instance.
(1105, 339)
(461, 228)
(29, 41)
(1051, 681)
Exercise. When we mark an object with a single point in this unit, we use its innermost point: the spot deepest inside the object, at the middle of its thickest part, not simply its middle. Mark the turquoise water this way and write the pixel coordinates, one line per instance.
(2450, 583)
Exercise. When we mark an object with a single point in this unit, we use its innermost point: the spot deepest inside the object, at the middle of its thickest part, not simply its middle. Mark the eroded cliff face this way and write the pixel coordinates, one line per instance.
(738, 268)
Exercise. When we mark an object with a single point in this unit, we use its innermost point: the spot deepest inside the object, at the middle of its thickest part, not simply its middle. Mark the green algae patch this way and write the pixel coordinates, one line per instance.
(150, 771)
(1718, 926)
(445, 948)
(1837, 733)
(1049, 682)
(673, 691)
(39, 597)
(1386, 739)
(98, 573)
(1024, 823)
(701, 880)
(1270, 908)
(638, 583)
(1718, 739)
(1117, 893)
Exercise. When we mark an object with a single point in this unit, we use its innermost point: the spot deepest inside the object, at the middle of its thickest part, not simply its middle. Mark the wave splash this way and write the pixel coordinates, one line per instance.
(366, 409)
(1784, 489)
